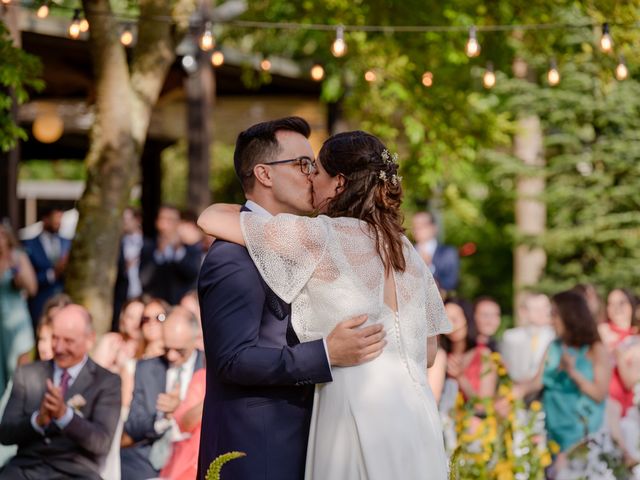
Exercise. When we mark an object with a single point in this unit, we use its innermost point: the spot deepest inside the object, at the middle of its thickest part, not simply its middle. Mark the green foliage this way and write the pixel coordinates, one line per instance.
(52, 170)
(216, 466)
(19, 74)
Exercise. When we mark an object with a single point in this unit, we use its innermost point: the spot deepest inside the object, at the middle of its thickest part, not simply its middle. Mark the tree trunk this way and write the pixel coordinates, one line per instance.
(124, 101)
(531, 212)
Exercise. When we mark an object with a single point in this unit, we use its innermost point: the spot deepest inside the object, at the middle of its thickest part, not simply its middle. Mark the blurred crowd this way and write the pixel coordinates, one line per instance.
(76, 427)
(528, 399)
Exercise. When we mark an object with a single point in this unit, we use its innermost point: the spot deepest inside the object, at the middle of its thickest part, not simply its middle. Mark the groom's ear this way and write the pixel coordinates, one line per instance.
(263, 175)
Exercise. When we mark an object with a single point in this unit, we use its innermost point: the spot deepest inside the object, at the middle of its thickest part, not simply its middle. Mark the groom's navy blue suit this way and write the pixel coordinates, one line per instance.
(259, 377)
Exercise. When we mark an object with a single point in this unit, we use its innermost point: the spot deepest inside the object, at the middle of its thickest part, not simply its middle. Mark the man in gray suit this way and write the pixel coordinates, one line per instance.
(63, 413)
(160, 385)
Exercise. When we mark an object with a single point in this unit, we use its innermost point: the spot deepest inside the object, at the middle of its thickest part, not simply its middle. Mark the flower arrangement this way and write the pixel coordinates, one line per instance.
(499, 439)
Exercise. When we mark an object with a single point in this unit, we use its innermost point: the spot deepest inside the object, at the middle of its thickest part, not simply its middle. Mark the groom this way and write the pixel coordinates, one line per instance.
(260, 378)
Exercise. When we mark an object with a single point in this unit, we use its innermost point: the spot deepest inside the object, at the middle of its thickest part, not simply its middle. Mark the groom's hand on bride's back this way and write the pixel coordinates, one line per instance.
(349, 344)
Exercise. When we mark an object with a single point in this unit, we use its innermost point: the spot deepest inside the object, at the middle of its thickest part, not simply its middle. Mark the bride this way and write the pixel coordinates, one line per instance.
(378, 420)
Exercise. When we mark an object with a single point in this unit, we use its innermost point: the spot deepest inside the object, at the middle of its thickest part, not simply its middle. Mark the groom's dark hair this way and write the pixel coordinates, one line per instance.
(258, 144)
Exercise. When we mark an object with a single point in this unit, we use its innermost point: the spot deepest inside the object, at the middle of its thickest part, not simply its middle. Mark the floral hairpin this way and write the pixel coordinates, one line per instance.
(388, 157)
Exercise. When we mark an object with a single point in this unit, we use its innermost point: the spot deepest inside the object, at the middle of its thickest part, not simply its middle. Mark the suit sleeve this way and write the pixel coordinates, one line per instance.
(231, 301)
(139, 424)
(96, 434)
(449, 269)
(15, 427)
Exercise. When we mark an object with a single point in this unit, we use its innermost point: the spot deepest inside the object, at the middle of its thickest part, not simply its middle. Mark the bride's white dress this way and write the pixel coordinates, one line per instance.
(378, 420)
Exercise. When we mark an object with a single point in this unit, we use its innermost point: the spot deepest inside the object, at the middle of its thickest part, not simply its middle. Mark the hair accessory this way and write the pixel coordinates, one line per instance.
(389, 158)
(390, 162)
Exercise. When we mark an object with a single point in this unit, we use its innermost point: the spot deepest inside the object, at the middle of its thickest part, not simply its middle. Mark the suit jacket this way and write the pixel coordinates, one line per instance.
(260, 379)
(150, 381)
(42, 264)
(447, 266)
(172, 279)
(81, 446)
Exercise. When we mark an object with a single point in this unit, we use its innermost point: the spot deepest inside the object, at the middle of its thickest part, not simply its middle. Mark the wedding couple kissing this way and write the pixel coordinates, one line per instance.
(319, 317)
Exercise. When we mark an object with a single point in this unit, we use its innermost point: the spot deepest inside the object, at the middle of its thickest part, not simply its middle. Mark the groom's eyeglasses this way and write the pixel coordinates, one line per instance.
(307, 165)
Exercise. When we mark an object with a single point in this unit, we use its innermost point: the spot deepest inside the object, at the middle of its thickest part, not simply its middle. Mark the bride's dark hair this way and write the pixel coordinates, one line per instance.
(372, 190)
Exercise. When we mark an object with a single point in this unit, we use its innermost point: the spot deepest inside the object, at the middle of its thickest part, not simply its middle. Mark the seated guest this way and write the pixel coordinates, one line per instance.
(574, 375)
(183, 464)
(160, 385)
(522, 348)
(154, 313)
(62, 414)
(486, 316)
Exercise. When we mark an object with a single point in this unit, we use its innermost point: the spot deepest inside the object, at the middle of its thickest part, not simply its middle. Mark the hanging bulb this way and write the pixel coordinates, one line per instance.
(6, 2)
(489, 77)
(370, 76)
(606, 42)
(126, 37)
(553, 75)
(339, 47)
(217, 58)
(427, 79)
(43, 10)
(84, 25)
(74, 27)
(207, 41)
(265, 65)
(473, 47)
(622, 72)
(317, 72)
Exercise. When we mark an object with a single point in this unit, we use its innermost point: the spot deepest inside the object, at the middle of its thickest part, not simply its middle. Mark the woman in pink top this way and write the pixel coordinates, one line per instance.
(183, 463)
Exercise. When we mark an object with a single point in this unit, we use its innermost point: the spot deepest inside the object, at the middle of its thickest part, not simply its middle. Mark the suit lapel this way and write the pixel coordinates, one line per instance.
(84, 380)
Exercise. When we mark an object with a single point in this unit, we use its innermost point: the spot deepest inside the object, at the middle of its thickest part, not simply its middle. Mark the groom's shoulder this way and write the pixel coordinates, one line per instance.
(224, 252)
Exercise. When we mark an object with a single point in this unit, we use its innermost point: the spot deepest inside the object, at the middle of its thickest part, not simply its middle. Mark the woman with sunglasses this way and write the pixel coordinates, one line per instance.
(378, 419)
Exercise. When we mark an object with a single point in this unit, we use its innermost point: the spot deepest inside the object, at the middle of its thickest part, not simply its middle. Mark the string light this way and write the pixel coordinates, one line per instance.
(74, 28)
(427, 79)
(622, 72)
(207, 41)
(339, 47)
(317, 72)
(217, 58)
(473, 47)
(370, 76)
(84, 25)
(189, 64)
(606, 42)
(553, 75)
(265, 65)
(126, 37)
(489, 77)
(6, 2)
(43, 10)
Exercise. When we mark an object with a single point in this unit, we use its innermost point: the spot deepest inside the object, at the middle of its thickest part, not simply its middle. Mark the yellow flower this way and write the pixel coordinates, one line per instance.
(545, 459)
(495, 356)
(503, 390)
(554, 447)
(502, 371)
(536, 406)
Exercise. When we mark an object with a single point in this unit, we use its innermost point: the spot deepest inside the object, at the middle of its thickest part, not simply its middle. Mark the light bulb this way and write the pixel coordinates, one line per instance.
(6, 2)
(265, 65)
(553, 75)
(606, 42)
(339, 47)
(126, 38)
(622, 72)
(189, 64)
(489, 77)
(74, 27)
(317, 72)
(217, 58)
(84, 25)
(473, 47)
(43, 11)
(207, 41)
(370, 76)
(427, 79)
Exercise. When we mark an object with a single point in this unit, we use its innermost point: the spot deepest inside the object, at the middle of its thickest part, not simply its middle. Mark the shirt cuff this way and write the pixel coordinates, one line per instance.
(65, 420)
(161, 425)
(35, 425)
(326, 352)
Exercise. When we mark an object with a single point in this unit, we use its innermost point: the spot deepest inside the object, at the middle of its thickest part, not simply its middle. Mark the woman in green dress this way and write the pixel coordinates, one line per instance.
(17, 279)
(574, 376)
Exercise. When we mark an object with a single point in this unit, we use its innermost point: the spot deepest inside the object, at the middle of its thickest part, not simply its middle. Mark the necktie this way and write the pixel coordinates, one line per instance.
(64, 381)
